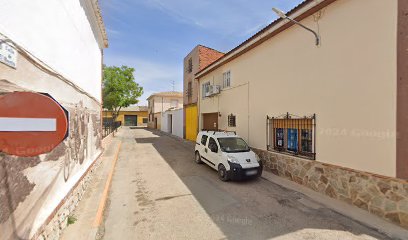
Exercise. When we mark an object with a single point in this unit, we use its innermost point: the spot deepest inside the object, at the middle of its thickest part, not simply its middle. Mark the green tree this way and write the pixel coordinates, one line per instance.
(119, 89)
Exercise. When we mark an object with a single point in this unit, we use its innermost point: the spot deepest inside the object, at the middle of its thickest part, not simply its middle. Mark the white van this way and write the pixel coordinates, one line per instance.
(227, 153)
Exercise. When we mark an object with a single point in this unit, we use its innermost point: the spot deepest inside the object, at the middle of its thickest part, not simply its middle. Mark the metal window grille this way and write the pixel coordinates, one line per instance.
(232, 121)
(292, 134)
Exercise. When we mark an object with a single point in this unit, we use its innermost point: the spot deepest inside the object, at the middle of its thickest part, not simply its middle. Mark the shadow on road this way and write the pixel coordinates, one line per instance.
(256, 209)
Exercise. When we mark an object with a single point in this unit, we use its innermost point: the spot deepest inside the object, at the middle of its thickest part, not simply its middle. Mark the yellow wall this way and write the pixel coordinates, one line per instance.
(349, 82)
(191, 122)
(121, 117)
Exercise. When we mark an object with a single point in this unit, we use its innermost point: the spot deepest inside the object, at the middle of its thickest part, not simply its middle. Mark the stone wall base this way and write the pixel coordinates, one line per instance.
(383, 196)
(58, 221)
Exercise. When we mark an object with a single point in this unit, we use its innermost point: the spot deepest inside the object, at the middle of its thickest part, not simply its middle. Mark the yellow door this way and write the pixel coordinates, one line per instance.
(191, 123)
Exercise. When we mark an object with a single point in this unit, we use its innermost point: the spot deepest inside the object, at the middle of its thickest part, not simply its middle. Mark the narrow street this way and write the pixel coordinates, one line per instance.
(158, 192)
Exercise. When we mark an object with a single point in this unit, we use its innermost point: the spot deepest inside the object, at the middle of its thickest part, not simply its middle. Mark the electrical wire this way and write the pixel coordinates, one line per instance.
(43, 66)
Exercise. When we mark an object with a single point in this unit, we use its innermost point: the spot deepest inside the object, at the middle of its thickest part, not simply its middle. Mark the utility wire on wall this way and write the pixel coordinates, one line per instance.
(43, 66)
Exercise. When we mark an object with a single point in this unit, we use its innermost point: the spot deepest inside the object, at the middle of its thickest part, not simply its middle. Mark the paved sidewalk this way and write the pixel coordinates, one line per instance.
(86, 211)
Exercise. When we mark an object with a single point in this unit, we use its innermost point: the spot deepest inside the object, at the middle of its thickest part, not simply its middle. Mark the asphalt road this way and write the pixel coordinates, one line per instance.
(159, 192)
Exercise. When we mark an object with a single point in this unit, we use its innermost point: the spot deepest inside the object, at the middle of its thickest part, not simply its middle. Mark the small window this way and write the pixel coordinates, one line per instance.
(190, 65)
(144, 120)
(232, 121)
(226, 79)
(204, 139)
(212, 144)
(205, 89)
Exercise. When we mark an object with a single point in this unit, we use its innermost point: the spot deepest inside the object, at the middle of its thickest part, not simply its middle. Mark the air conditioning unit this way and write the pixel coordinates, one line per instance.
(213, 90)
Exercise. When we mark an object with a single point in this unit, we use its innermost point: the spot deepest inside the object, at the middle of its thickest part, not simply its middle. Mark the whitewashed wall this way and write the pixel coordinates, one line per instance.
(63, 34)
(60, 34)
(177, 123)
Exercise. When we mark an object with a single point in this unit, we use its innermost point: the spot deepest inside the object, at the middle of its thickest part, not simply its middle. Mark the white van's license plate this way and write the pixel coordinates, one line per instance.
(251, 172)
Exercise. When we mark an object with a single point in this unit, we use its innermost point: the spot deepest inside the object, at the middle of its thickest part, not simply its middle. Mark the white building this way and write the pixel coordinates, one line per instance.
(172, 122)
(333, 116)
(56, 47)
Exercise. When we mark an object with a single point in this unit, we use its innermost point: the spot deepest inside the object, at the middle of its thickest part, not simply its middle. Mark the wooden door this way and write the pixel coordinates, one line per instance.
(210, 121)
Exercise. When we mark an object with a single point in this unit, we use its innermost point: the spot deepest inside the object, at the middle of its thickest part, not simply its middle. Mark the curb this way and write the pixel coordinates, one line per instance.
(359, 215)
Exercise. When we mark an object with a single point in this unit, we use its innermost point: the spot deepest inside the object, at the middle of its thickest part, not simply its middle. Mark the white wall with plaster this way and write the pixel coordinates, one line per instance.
(60, 34)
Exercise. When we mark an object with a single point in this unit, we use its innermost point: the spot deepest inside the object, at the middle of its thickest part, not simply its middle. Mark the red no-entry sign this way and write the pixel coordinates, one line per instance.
(30, 124)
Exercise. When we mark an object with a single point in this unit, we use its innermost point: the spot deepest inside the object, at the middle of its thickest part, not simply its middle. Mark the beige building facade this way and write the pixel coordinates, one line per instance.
(346, 82)
(348, 97)
(159, 103)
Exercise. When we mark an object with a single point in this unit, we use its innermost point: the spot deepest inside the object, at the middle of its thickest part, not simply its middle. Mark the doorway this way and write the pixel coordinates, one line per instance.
(210, 121)
(130, 120)
(170, 123)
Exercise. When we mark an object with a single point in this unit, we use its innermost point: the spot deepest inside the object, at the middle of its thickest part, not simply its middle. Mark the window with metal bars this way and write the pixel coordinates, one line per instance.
(232, 120)
(292, 135)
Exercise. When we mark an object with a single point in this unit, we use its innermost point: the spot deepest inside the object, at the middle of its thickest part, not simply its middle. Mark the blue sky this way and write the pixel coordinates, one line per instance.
(153, 36)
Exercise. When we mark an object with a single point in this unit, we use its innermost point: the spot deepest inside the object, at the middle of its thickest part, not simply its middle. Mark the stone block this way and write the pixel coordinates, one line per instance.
(394, 196)
(393, 217)
(345, 199)
(366, 197)
(324, 179)
(403, 219)
(403, 205)
(390, 206)
(288, 175)
(377, 211)
(377, 202)
(307, 166)
(360, 204)
(383, 186)
(330, 191)
(319, 170)
(373, 190)
(321, 188)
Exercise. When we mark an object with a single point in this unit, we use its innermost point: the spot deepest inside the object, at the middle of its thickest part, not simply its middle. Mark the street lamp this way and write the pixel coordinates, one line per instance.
(281, 14)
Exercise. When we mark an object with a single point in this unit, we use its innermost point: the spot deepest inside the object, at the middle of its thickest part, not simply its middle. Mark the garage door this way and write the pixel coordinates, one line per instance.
(130, 120)
(210, 121)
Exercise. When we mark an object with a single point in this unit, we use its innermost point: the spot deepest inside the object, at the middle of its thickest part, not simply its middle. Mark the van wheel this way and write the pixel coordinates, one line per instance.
(197, 158)
(222, 173)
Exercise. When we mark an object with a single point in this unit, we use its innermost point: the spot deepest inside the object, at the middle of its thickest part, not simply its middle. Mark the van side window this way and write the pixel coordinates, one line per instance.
(213, 144)
(204, 139)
